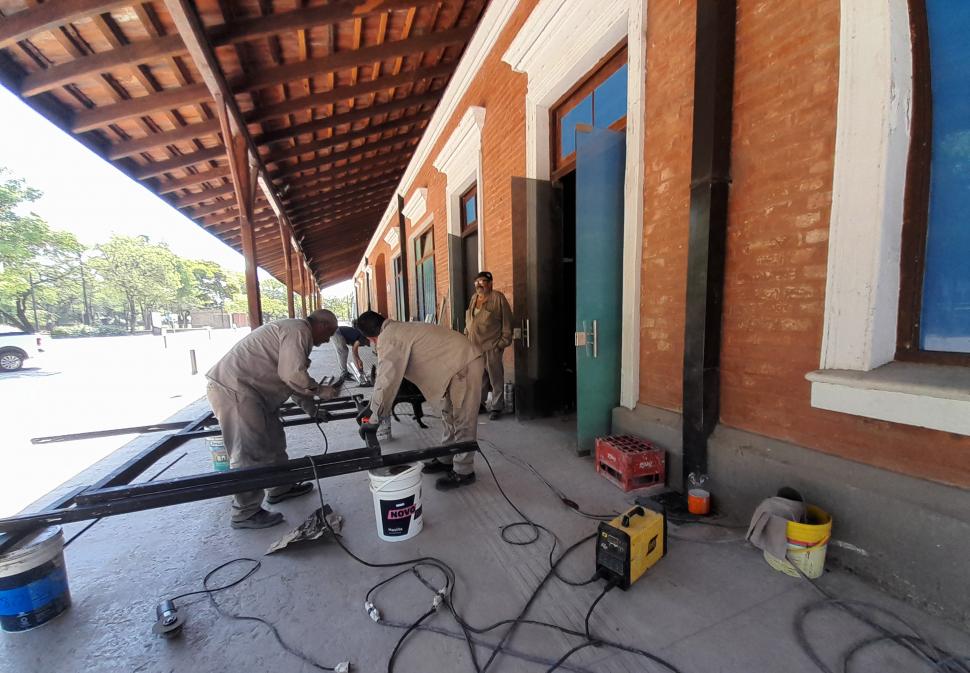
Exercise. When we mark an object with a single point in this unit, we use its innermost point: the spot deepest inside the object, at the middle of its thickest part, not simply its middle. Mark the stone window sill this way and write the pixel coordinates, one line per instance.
(929, 396)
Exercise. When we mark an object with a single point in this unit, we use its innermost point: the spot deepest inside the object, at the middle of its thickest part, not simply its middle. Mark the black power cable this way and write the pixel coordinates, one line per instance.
(448, 592)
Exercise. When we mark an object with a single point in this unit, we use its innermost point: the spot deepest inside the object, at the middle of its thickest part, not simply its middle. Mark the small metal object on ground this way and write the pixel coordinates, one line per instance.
(193, 364)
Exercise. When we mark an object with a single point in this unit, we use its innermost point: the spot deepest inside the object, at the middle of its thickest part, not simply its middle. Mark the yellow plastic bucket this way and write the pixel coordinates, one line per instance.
(807, 544)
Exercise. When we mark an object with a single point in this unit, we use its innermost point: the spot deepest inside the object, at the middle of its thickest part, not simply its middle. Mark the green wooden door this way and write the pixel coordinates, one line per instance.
(600, 161)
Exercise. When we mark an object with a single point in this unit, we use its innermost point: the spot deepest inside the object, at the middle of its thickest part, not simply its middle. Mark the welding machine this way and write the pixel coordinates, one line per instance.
(631, 543)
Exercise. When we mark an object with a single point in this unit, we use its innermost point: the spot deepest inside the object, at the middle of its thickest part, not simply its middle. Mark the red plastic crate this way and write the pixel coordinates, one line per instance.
(630, 462)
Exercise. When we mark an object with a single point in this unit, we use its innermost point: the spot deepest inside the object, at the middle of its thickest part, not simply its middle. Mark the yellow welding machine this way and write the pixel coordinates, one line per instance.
(631, 543)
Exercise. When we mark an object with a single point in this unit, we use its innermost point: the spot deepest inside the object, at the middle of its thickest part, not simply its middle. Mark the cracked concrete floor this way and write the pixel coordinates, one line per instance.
(712, 604)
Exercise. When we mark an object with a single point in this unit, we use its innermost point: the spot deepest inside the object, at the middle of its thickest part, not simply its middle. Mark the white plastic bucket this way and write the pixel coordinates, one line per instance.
(397, 501)
(33, 581)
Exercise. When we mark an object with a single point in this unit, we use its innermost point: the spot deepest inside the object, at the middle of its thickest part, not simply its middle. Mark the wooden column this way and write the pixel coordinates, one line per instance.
(285, 242)
(303, 288)
(244, 184)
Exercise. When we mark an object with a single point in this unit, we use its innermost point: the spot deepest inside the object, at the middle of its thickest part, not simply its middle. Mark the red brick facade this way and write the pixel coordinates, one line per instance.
(783, 148)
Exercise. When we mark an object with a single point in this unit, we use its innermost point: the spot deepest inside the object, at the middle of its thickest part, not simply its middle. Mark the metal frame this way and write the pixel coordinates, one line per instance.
(115, 494)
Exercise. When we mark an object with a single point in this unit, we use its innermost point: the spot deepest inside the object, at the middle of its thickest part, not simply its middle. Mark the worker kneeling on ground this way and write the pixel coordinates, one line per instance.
(444, 366)
(246, 389)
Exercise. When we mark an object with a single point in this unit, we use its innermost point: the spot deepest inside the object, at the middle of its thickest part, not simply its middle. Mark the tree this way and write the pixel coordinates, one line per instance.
(341, 306)
(33, 258)
(145, 274)
(202, 285)
(272, 295)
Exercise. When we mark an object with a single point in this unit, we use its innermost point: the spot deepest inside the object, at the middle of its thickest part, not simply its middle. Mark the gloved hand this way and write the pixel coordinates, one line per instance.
(309, 406)
(363, 414)
(326, 392)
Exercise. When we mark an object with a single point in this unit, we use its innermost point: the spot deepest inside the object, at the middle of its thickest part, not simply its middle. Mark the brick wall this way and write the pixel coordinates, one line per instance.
(786, 91)
(666, 199)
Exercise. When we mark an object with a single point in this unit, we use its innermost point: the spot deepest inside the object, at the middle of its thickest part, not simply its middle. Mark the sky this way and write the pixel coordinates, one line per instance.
(87, 196)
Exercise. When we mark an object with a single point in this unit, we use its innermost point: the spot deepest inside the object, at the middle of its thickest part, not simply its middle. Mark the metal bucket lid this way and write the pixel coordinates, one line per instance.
(35, 549)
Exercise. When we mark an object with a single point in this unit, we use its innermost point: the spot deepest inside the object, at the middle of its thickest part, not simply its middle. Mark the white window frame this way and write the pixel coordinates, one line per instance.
(460, 160)
(857, 374)
(591, 28)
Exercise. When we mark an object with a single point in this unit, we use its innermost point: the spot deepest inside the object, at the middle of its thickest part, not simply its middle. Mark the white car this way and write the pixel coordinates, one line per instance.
(16, 347)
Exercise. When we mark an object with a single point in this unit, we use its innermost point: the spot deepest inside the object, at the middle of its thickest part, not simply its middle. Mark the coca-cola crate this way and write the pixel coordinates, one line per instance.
(630, 462)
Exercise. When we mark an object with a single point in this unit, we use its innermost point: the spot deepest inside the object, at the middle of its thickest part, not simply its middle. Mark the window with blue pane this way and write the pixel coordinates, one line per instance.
(600, 101)
(424, 275)
(581, 114)
(945, 307)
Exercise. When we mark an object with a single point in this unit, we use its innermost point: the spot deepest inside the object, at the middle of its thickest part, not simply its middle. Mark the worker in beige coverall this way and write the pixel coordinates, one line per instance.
(445, 366)
(488, 325)
(246, 388)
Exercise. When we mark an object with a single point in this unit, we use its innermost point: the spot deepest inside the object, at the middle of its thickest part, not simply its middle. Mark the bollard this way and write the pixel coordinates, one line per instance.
(208, 330)
(164, 341)
(195, 367)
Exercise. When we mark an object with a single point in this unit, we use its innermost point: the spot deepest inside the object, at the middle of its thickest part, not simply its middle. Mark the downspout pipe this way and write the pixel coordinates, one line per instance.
(710, 181)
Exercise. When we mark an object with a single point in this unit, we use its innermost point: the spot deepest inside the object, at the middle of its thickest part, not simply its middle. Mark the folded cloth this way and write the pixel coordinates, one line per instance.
(769, 524)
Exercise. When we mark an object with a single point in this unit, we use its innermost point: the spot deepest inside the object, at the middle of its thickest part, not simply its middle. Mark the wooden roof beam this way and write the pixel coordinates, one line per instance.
(333, 157)
(308, 17)
(189, 26)
(49, 16)
(87, 66)
(382, 163)
(337, 94)
(343, 194)
(344, 208)
(349, 59)
(98, 117)
(344, 187)
(337, 140)
(194, 179)
(127, 148)
(156, 168)
(347, 118)
(204, 195)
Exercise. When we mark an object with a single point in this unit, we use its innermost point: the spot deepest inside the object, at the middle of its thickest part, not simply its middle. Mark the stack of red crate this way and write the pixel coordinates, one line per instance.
(630, 462)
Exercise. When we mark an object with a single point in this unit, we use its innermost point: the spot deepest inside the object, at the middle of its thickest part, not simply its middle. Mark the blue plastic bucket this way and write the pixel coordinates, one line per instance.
(33, 581)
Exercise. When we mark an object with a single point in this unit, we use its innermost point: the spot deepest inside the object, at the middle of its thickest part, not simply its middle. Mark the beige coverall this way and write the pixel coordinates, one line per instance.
(246, 388)
(444, 365)
(491, 332)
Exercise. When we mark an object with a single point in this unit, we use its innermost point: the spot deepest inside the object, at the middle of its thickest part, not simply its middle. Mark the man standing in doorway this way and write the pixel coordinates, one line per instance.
(488, 325)
(444, 366)
(246, 388)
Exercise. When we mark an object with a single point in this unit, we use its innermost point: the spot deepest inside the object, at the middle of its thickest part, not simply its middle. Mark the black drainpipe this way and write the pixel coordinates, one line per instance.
(710, 178)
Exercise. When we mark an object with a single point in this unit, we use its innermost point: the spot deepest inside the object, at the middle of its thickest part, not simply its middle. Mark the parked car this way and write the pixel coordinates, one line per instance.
(16, 347)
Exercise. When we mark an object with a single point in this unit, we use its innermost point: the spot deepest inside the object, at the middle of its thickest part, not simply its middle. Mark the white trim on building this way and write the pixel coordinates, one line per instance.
(592, 29)
(461, 162)
(857, 374)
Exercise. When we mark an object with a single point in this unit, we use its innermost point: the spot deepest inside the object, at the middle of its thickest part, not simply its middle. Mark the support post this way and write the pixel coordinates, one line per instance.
(402, 241)
(710, 178)
(244, 182)
(285, 242)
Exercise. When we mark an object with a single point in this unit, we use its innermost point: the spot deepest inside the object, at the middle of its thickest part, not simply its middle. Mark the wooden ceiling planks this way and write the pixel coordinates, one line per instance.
(333, 95)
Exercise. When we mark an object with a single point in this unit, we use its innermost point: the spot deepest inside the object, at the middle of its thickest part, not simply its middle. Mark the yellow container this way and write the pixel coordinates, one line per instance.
(807, 544)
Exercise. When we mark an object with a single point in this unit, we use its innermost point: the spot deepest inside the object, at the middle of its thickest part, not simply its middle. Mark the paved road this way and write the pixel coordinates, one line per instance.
(93, 384)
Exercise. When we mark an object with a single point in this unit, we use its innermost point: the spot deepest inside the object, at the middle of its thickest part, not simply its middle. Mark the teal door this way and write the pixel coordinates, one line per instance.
(600, 161)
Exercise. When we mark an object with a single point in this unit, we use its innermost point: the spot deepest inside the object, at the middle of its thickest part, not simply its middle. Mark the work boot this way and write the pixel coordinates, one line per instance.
(494, 415)
(261, 519)
(453, 480)
(435, 466)
(296, 491)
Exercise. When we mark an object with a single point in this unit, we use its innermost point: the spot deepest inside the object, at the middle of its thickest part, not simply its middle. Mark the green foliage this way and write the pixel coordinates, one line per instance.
(342, 307)
(145, 273)
(68, 331)
(33, 257)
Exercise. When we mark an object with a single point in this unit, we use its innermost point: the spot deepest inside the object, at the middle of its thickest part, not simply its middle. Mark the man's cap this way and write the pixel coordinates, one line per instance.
(484, 274)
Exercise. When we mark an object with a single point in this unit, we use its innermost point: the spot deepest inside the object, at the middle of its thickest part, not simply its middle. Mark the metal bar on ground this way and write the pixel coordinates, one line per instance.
(146, 496)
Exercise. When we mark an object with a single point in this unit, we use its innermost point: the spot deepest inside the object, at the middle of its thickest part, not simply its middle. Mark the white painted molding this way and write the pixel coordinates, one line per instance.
(417, 205)
(871, 152)
(493, 22)
(461, 161)
(858, 375)
(392, 238)
(928, 396)
(591, 29)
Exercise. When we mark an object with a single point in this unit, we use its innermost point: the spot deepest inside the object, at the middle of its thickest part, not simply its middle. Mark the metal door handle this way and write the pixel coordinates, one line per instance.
(522, 333)
(588, 339)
